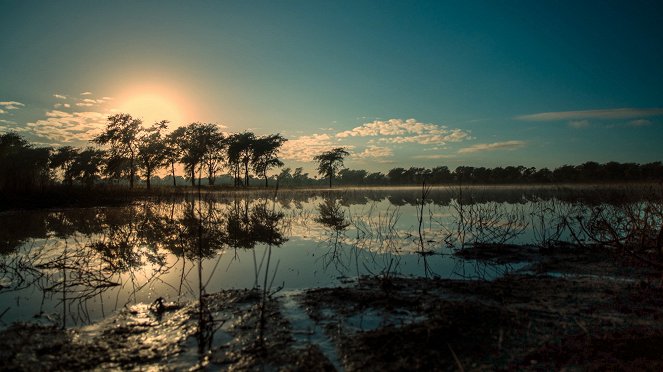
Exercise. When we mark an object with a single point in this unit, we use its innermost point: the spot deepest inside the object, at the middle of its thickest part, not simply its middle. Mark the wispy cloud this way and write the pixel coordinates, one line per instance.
(618, 113)
(579, 124)
(59, 96)
(10, 105)
(640, 123)
(479, 147)
(435, 156)
(86, 93)
(400, 131)
(61, 105)
(375, 152)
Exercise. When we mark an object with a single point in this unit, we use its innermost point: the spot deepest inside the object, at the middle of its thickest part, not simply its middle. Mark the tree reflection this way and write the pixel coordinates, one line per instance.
(332, 218)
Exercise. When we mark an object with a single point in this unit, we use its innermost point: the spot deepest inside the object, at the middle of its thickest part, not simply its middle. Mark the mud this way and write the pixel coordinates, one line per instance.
(568, 310)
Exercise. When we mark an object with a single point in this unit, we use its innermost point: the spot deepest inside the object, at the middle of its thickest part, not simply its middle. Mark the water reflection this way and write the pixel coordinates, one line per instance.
(74, 266)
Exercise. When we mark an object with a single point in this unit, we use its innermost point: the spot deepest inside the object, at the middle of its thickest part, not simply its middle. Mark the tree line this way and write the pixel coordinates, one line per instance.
(130, 151)
(587, 172)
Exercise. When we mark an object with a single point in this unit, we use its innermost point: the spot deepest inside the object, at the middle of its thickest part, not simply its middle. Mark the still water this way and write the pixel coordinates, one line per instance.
(76, 266)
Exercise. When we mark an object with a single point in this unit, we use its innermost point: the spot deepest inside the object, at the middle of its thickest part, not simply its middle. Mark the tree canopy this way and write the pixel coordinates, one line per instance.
(330, 161)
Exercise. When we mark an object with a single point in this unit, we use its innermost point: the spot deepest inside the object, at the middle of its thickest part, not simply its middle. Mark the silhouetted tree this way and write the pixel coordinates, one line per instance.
(87, 166)
(173, 149)
(22, 166)
(63, 158)
(213, 141)
(330, 161)
(151, 153)
(352, 176)
(376, 178)
(441, 174)
(240, 152)
(122, 137)
(264, 155)
(193, 145)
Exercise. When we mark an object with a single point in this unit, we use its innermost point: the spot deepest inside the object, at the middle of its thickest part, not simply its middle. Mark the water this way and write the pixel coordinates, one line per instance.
(76, 266)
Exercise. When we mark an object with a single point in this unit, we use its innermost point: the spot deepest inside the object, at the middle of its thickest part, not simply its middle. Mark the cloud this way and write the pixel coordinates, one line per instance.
(10, 105)
(87, 102)
(435, 156)
(640, 123)
(618, 113)
(304, 148)
(406, 131)
(508, 145)
(65, 127)
(59, 105)
(2, 111)
(10, 126)
(59, 96)
(374, 152)
(453, 135)
(86, 93)
(578, 124)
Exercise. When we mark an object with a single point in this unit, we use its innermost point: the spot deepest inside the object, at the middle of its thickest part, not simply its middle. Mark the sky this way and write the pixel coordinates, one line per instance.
(398, 83)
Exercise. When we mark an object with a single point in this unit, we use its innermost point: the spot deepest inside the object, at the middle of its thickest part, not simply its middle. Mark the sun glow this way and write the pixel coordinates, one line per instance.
(152, 107)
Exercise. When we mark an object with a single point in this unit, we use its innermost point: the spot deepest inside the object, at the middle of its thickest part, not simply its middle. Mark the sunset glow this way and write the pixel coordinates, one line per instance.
(454, 84)
(152, 106)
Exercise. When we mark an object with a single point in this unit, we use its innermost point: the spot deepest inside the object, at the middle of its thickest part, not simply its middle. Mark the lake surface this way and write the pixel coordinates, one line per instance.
(76, 266)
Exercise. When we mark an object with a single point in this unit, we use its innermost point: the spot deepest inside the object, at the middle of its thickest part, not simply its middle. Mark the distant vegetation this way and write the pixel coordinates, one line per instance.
(133, 153)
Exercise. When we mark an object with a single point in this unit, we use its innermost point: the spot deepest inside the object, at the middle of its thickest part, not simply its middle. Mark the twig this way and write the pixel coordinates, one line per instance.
(458, 364)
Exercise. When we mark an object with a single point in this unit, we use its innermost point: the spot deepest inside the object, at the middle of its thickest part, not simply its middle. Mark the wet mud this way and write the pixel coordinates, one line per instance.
(566, 310)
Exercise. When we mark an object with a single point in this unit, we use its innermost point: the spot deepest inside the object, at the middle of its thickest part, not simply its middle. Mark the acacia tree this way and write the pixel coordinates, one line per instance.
(122, 136)
(264, 156)
(330, 161)
(151, 153)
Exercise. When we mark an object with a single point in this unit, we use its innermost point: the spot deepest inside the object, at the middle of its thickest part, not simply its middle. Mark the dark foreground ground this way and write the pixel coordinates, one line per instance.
(589, 310)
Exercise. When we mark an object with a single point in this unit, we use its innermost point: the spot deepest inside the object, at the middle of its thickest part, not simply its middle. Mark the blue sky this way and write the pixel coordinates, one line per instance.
(399, 83)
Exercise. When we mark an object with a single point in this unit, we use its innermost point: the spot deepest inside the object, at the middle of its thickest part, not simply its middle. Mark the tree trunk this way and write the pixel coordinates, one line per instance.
(246, 174)
(193, 176)
(132, 173)
(148, 176)
(172, 168)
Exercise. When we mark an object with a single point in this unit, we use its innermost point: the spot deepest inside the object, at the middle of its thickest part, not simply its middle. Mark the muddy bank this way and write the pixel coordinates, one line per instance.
(573, 311)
